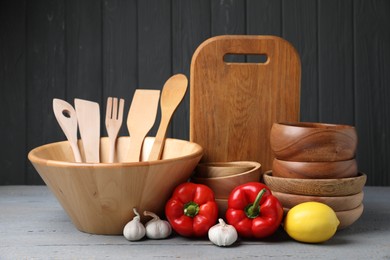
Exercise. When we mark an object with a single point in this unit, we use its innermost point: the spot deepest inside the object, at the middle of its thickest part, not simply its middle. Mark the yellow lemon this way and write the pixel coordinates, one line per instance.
(311, 222)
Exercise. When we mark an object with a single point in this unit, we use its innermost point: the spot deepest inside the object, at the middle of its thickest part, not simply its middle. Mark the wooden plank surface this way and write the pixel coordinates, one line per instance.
(335, 62)
(120, 53)
(45, 78)
(91, 49)
(372, 92)
(34, 226)
(13, 91)
(299, 18)
(191, 25)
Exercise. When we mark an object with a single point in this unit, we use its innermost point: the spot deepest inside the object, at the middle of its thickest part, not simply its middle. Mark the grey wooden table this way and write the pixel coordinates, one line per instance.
(34, 226)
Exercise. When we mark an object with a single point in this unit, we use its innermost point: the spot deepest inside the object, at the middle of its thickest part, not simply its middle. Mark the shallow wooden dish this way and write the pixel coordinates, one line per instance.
(313, 142)
(346, 217)
(314, 170)
(99, 198)
(223, 169)
(316, 187)
(222, 186)
(340, 203)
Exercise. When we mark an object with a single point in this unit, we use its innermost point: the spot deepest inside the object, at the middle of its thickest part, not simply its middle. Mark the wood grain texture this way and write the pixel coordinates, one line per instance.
(335, 62)
(300, 28)
(120, 51)
(45, 73)
(84, 50)
(154, 47)
(233, 105)
(191, 25)
(372, 92)
(13, 94)
(99, 198)
(95, 49)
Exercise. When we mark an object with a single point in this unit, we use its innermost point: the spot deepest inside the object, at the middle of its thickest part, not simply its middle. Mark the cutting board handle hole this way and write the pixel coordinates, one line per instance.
(66, 113)
(245, 58)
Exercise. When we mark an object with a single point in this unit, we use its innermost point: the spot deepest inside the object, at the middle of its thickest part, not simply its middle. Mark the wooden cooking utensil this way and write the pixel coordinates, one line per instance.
(114, 117)
(67, 119)
(172, 94)
(140, 120)
(88, 117)
(233, 105)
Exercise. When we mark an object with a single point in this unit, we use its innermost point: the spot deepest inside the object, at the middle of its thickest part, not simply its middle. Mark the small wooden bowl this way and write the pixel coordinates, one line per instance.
(222, 186)
(314, 170)
(346, 217)
(222, 207)
(313, 142)
(316, 187)
(223, 169)
(340, 203)
(99, 197)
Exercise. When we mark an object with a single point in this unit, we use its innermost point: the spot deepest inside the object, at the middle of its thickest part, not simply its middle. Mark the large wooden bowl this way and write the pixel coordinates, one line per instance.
(313, 142)
(316, 187)
(314, 170)
(339, 203)
(222, 186)
(99, 198)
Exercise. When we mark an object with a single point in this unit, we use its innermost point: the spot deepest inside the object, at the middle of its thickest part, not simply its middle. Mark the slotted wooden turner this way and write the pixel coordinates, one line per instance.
(233, 105)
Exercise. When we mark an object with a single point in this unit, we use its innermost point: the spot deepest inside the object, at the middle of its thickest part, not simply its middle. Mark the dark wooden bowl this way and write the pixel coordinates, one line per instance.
(314, 170)
(313, 142)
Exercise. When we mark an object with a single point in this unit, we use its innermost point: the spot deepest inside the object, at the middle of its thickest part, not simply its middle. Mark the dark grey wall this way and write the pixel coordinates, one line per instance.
(93, 49)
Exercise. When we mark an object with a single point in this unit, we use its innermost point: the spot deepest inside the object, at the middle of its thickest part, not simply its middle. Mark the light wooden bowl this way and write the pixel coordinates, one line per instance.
(316, 187)
(99, 198)
(313, 142)
(346, 217)
(222, 186)
(314, 170)
(340, 203)
(223, 169)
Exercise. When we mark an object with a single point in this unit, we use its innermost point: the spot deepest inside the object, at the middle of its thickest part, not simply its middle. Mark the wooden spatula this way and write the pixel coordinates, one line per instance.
(172, 94)
(88, 117)
(67, 119)
(141, 118)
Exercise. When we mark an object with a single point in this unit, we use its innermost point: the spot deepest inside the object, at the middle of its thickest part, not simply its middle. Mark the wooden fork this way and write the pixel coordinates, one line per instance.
(114, 117)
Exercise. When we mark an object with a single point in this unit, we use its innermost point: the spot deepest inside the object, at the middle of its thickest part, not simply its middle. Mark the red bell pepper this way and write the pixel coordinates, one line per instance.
(192, 209)
(253, 210)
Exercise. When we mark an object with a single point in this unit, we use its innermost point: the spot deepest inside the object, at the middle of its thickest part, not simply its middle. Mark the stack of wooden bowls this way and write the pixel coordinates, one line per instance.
(316, 162)
(223, 177)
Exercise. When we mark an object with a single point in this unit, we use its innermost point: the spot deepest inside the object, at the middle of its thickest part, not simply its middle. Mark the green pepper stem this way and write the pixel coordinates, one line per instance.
(253, 210)
(191, 209)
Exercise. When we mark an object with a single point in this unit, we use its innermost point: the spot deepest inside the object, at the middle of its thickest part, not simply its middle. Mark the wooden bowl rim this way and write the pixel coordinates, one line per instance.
(314, 125)
(361, 175)
(37, 160)
(315, 162)
(256, 168)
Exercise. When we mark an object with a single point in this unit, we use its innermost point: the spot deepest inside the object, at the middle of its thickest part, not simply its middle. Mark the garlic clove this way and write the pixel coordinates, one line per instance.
(134, 230)
(222, 234)
(157, 228)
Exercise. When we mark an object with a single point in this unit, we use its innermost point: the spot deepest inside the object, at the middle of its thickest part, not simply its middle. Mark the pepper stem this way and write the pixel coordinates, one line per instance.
(253, 210)
(191, 209)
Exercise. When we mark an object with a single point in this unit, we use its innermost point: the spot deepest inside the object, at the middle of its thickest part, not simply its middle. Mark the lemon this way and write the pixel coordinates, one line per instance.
(311, 222)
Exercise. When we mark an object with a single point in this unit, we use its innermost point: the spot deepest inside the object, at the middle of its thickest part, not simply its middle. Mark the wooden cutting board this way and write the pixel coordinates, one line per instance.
(233, 105)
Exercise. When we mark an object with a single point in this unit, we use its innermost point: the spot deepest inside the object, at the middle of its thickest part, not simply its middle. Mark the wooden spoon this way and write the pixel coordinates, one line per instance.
(88, 116)
(141, 118)
(172, 94)
(67, 119)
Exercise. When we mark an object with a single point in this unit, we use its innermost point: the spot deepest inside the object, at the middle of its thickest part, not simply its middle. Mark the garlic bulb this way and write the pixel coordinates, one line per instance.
(157, 228)
(223, 234)
(134, 230)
